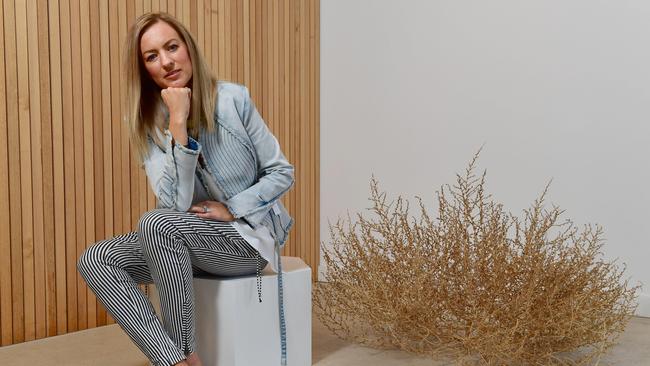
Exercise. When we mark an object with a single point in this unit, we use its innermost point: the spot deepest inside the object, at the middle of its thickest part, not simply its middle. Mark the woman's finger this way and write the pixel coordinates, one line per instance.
(203, 215)
(200, 207)
(196, 208)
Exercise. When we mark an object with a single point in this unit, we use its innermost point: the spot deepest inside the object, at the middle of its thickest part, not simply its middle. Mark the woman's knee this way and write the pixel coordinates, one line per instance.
(91, 258)
(155, 222)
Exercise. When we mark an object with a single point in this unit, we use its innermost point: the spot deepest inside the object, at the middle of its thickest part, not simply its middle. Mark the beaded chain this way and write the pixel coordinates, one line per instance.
(283, 325)
(259, 277)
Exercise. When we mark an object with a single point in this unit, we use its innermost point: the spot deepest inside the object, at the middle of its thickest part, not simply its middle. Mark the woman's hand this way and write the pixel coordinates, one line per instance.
(212, 210)
(177, 101)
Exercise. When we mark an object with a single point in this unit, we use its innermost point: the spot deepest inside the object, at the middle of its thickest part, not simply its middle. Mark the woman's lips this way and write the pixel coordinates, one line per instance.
(173, 74)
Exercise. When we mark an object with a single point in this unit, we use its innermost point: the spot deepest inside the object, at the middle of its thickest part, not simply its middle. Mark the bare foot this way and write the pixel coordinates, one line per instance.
(193, 359)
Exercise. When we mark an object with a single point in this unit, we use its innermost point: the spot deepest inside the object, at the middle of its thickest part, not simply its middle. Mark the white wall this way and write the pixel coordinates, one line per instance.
(554, 89)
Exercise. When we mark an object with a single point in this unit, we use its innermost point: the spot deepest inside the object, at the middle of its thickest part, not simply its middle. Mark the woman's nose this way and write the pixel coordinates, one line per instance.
(167, 62)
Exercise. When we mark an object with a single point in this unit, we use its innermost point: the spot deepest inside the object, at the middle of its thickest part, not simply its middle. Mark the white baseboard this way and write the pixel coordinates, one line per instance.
(644, 305)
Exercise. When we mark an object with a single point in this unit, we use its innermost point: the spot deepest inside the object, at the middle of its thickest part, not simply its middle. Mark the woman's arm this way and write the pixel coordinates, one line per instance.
(274, 171)
(170, 170)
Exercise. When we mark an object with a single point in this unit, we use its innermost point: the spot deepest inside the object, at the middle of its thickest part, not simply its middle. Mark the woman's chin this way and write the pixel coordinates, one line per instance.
(176, 84)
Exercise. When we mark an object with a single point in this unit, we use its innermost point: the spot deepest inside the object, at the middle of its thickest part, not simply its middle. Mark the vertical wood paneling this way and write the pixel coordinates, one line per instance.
(36, 166)
(315, 199)
(295, 106)
(246, 25)
(57, 167)
(206, 15)
(284, 95)
(47, 204)
(25, 170)
(142, 180)
(125, 214)
(191, 10)
(66, 167)
(186, 17)
(114, 124)
(87, 318)
(79, 161)
(133, 8)
(69, 165)
(109, 228)
(214, 34)
(263, 99)
(97, 139)
(302, 188)
(5, 243)
(15, 204)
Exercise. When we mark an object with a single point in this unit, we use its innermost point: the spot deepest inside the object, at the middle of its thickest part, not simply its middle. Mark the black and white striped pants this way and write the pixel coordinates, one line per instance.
(168, 249)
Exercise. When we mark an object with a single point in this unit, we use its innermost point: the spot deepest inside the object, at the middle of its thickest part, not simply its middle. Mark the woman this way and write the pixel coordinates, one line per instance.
(218, 174)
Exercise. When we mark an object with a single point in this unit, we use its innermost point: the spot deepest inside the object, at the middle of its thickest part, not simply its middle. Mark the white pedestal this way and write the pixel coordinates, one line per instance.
(235, 329)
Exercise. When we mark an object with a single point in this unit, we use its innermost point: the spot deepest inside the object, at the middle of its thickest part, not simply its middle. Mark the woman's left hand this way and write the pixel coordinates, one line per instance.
(212, 210)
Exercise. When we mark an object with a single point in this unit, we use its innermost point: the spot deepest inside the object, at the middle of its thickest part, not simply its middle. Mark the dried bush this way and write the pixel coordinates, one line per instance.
(477, 285)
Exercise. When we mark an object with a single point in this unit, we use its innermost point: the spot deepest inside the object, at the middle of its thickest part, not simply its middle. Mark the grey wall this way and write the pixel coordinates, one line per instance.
(552, 89)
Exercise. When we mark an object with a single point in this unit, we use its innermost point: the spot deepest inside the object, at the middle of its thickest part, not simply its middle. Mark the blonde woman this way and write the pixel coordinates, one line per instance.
(218, 174)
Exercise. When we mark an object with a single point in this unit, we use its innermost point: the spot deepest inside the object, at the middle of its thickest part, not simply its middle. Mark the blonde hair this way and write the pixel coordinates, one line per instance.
(144, 105)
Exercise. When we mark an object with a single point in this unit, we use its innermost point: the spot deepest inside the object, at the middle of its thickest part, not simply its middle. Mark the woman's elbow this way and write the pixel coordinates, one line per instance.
(287, 174)
(288, 171)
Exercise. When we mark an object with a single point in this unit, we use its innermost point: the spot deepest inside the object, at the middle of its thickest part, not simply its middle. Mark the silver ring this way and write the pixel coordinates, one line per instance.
(206, 209)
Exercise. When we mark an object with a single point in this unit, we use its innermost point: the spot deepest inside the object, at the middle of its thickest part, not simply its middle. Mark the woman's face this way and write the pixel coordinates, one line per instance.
(165, 56)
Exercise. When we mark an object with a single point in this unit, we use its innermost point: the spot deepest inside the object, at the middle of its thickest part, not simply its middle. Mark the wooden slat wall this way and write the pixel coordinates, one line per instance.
(67, 175)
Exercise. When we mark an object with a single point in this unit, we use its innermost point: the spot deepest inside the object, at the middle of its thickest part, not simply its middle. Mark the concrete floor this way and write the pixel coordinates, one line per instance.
(110, 346)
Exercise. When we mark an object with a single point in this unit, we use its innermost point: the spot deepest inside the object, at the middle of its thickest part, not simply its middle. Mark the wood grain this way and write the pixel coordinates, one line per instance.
(13, 147)
(79, 160)
(57, 168)
(69, 165)
(48, 178)
(107, 156)
(6, 320)
(36, 166)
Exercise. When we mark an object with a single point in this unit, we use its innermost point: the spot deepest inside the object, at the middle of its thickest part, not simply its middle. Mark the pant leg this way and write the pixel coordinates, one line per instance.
(172, 242)
(113, 268)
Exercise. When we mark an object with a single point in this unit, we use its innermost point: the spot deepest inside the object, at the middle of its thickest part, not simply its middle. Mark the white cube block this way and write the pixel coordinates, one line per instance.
(235, 329)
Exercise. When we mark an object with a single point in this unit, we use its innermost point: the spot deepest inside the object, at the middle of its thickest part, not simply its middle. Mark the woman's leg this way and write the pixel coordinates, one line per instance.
(172, 242)
(113, 268)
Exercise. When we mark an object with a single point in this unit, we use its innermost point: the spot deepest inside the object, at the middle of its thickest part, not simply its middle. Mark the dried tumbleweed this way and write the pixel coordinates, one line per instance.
(476, 284)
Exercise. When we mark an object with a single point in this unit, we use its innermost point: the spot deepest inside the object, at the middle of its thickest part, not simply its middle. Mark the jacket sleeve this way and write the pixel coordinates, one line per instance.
(274, 171)
(170, 171)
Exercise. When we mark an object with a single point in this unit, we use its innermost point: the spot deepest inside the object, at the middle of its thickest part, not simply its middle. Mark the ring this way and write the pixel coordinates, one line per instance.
(206, 209)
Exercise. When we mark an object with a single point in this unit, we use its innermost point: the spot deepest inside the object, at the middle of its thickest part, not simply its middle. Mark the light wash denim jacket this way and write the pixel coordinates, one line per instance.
(243, 160)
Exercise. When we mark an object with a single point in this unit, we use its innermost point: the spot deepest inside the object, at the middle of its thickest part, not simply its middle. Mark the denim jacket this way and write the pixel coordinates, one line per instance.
(243, 160)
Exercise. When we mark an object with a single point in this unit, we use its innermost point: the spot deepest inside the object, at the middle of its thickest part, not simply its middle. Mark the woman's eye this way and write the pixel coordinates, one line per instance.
(173, 47)
(150, 58)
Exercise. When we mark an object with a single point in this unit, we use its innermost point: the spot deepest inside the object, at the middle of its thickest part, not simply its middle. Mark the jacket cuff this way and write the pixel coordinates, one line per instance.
(253, 219)
(193, 147)
(185, 161)
(251, 206)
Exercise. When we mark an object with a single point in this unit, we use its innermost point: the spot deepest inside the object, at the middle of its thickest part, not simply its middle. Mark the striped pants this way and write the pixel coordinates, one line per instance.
(169, 248)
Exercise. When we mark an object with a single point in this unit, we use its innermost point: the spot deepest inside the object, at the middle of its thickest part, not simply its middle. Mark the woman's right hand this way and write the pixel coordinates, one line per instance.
(212, 210)
(177, 101)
